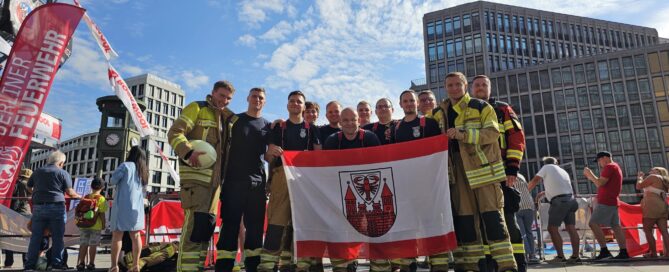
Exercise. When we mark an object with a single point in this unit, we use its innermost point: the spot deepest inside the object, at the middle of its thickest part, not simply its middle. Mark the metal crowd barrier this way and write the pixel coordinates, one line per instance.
(583, 232)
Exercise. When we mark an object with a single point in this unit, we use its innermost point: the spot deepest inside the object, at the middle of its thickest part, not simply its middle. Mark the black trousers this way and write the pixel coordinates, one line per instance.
(241, 199)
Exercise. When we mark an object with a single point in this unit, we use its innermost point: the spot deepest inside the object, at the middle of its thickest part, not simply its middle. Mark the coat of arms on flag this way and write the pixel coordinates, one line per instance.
(369, 200)
(382, 202)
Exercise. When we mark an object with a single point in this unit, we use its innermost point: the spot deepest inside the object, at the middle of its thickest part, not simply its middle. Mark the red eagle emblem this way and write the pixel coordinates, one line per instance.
(369, 201)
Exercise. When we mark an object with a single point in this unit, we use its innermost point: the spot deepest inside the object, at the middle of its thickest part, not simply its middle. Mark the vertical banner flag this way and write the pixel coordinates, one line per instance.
(167, 162)
(106, 48)
(26, 81)
(123, 92)
(380, 202)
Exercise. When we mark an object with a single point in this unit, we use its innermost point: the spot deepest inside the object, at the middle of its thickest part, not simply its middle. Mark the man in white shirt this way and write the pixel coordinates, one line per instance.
(563, 206)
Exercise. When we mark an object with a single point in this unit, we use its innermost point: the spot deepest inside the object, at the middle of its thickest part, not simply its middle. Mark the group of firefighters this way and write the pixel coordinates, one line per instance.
(486, 144)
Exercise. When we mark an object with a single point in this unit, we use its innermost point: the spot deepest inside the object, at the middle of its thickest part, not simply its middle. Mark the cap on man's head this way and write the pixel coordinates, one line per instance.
(26, 173)
(602, 154)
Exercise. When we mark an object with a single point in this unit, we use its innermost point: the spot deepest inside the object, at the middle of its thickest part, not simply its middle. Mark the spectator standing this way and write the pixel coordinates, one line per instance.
(20, 205)
(654, 207)
(127, 214)
(609, 185)
(90, 236)
(526, 216)
(49, 184)
(563, 206)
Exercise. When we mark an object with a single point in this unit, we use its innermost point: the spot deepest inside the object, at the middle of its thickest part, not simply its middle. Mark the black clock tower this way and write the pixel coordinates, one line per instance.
(117, 132)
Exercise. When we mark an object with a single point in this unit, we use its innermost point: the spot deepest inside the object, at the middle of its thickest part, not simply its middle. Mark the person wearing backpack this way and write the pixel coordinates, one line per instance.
(90, 218)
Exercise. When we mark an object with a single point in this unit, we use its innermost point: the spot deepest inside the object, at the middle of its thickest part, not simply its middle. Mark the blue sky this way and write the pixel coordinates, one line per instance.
(330, 49)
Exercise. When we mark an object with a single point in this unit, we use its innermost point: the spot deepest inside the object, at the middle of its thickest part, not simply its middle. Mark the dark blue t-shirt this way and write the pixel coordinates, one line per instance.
(382, 131)
(325, 132)
(408, 131)
(49, 184)
(335, 142)
(250, 137)
(296, 137)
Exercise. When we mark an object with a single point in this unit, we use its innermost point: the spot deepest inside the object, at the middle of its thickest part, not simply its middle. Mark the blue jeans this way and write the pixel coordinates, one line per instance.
(525, 219)
(53, 217)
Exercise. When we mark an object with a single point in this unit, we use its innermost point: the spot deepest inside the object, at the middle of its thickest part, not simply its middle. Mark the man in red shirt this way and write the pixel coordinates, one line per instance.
(605, 213)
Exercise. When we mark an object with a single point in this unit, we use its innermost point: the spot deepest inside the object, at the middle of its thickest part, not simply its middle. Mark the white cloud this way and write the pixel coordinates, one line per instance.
(247, 40)
(254, 12)
(194, 79)
(658, 20)
(86, 59)
(351, 50)
(283, 29)
(131, 70)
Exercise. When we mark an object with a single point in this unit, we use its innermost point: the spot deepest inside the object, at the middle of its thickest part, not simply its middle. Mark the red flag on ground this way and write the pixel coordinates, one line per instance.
(26, 81)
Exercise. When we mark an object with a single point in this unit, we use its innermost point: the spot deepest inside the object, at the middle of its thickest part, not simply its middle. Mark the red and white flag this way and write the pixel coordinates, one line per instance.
(100, 38)
(382, 202)
(123, 92)
(26, 81)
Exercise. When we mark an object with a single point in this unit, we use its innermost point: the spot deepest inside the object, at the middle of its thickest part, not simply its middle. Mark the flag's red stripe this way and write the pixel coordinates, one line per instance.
(388, 250)
(369, 155)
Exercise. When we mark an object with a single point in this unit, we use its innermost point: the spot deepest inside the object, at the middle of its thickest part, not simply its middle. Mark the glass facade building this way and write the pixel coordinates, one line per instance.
(483, 37)
(579, 85)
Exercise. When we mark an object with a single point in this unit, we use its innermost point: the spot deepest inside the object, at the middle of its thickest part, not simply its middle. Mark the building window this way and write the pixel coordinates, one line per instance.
(157, 120)
(623, 116)
(456, 25)
(600, 138)
(432, 53)
(603, 70)
(628, 66)
(479, 65)
(469, 45)
(632, 91)
(619, 92)
(148, 117)
(654, 138)
(557, 77)
(522, 83)
(626, 137)
(636, 114)
(614, 138)
(611, 119)
(607, 95)
(576, 144)
(521, 25)
(590, 72)
(644, 89)
(559, 100)
(573, 121)
(570, 98)
(590, 144)
(449, 26)
(133, 90)
(582, 97)
(476, 24)
(466, 23)
(458, 47)
(140, 91)
(534, 81)
(547, 101)
(450, 50)
(565, 143)
(440, 50)
(536, 102)
(649, 114)
(433, 73)
(616, 73)
(478, 48)
(471, 68)
(430, 31)
(567, 78)
(598, 119)
(593, 90)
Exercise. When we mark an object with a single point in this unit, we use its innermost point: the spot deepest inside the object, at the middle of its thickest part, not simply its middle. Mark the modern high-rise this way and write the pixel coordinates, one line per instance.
(164, 100)
(579, 85)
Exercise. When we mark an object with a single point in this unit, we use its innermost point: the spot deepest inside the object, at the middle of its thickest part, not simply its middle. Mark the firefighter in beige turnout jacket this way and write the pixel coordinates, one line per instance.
(201, 120)
(475, 169)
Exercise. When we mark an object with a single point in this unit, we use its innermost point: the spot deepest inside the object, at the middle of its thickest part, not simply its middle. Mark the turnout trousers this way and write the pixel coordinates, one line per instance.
(240, 199)
(278, 236)
(477, 210)
(200, 205)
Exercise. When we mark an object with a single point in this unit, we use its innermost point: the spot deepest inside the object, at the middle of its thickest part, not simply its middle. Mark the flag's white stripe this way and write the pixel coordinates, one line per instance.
(423, 209)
